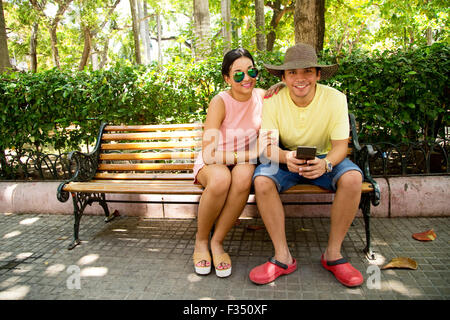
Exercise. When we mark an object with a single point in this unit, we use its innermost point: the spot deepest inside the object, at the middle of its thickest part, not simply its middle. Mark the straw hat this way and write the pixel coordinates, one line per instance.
(302, 56)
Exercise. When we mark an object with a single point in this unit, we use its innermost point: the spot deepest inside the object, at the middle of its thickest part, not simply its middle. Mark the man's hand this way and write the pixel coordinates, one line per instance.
(311, 169)
(293, 163)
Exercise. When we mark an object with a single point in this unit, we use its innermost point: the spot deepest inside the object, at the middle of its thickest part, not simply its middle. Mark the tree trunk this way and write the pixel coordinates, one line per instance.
(146, 37)
(98, 58)
(309, 22)
(104, 54)
(202, 28)
(429, 36)
(225, 6)
(62, 7)
(142, 31)
(278, 13)
(4, 55)
(33, 46)
(260, 25)
(86, 48)
(158, 27)
(137, 48)
(95, 58)
(52, 24)
(54, 45)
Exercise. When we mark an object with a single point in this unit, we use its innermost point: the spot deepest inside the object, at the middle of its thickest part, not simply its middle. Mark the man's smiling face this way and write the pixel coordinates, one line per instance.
(301, 84)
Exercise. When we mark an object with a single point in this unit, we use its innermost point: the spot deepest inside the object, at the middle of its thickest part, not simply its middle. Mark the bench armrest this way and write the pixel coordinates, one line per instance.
(85, 166)
(367, 152)
(362, 155)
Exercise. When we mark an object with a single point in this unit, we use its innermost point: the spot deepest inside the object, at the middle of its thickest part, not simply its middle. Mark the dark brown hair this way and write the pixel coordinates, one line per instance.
(232, 56)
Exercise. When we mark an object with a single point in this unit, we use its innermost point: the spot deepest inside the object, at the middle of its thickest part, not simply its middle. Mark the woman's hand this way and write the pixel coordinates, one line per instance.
(274, 89)
(265, 139)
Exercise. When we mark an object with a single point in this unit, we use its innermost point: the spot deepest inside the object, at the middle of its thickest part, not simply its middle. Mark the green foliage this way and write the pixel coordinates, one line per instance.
(395, 95)
(38, 109)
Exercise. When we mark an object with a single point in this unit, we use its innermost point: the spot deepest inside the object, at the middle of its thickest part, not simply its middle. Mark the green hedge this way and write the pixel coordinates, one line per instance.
(396, 96)
(37, 109)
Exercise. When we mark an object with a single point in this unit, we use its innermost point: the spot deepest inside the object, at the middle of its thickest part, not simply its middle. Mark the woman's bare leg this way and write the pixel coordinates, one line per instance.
(216, 180)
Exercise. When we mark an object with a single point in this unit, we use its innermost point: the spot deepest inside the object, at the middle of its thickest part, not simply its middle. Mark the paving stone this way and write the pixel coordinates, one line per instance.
(134, 258)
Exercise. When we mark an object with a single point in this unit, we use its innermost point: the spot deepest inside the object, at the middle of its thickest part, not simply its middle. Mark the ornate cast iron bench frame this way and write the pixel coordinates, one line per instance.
(122, 163)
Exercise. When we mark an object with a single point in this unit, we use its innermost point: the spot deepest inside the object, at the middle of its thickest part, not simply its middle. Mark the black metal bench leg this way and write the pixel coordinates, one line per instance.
(365, 207)
(102, 202)
(80, 200)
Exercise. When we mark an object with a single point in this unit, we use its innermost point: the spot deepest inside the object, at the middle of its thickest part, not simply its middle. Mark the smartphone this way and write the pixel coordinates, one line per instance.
(306, 153)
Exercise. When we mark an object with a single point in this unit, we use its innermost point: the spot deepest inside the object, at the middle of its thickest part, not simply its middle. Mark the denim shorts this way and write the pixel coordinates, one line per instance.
(284, 179)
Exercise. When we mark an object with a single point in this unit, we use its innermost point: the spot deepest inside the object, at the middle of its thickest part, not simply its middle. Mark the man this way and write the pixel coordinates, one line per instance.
(306, 113)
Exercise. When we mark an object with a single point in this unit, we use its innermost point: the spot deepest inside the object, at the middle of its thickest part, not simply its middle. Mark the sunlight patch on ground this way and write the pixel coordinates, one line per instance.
(94, 272)
(24, 255)
(12, 234)
(29, 221)
(14, 293)
(87, 259)
(192, 277)
(55, 269)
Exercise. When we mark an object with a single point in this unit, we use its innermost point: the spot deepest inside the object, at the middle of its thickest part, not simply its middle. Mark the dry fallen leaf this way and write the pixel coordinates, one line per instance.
(425, 236)
(401, 263)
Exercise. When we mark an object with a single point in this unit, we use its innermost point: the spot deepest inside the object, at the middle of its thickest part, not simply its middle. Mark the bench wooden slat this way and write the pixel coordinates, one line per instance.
(144, 176)
(134, 189)
(151, 145)
(154, 181)
(151, 135)
(148, 156)
(145, 166)
(174, 187)
(306, 188)
(142, 128)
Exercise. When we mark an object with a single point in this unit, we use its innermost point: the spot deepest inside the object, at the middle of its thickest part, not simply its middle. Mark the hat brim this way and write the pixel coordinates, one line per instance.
(326, 71)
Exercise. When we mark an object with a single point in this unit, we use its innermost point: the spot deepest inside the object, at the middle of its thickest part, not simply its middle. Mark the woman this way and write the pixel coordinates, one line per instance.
(227, 161)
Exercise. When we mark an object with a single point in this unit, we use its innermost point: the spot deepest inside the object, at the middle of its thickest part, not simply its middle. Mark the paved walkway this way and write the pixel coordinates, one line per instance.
(135, 258)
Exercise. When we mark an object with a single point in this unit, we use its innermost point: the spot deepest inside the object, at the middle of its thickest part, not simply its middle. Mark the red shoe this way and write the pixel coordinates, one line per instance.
(344, 272)
(271, 270)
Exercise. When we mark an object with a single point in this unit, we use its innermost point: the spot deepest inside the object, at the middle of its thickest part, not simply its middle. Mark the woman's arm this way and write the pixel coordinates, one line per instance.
(211, 138)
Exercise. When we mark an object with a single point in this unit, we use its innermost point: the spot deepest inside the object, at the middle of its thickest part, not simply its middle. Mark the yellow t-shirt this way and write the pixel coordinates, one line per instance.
(323, 120)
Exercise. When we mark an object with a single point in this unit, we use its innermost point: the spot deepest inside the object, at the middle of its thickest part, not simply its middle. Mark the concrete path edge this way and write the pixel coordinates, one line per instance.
(412, 196)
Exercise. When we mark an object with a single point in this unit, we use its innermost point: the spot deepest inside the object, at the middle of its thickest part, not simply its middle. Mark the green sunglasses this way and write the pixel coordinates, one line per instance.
(239, 76)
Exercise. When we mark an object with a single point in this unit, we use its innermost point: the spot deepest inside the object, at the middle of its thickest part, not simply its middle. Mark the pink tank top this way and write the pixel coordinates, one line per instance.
(239, 128)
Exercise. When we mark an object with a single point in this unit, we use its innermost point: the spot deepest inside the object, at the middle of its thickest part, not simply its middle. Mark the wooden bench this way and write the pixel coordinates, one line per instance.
(158, 160)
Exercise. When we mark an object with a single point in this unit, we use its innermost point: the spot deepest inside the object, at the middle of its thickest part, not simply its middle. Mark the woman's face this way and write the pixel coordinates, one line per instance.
(243, 64)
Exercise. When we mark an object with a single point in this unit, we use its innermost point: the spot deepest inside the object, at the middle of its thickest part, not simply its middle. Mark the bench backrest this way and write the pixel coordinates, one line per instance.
(145, 152)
